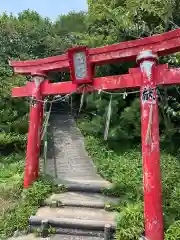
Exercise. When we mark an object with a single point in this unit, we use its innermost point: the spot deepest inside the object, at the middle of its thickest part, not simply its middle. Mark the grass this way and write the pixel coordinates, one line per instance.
(16, 204)
(124, 170)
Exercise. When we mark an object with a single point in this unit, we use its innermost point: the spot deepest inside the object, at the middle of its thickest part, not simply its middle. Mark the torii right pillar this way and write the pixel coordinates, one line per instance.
(153, 213)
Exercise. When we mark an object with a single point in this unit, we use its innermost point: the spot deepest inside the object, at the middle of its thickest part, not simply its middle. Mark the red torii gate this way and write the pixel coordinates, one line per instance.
(147, 77)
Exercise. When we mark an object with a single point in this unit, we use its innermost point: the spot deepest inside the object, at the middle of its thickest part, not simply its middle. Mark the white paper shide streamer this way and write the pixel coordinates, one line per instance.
(82, 100)
(108, 119)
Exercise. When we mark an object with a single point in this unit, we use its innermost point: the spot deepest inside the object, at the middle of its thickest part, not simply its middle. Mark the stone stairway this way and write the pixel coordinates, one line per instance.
(81, 213)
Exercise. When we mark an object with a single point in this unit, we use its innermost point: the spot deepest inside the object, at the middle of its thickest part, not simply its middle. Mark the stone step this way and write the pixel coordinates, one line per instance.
(74, 220)
(57, 237)
(72, 227)
(73, 232)
(79, 199)
(77, 213)
(92, 182)
(91, 186)
(80, 222)
(27, 237)
(65, 237)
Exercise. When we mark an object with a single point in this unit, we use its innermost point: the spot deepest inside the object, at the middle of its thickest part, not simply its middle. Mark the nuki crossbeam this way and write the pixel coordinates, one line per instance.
(81, 62)
(163, 76)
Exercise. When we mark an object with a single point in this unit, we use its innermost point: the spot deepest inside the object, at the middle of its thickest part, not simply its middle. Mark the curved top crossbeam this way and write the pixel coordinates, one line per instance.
(162, 44)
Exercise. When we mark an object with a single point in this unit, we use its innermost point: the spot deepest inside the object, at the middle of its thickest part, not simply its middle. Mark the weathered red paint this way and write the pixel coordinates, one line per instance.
(34, 135)
(153, 214)
(102, 83)
(162, 44)
(164, 76)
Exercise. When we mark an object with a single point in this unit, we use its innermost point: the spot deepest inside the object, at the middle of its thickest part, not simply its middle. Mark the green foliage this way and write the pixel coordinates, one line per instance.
(12, 142)
(17, 218)
(173, 232)
(129, 19)
(125, 117)
(115, 21)
(11, 176)
(30, 36)
(130, 222)
(124, 169)
(17, 205)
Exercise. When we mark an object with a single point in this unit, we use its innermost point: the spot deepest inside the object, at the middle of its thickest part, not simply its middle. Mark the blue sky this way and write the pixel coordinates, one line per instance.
(47, 8)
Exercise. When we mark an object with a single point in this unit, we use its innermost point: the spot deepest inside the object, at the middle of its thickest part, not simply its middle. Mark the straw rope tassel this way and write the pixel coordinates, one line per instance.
(108, 119)
(148, 134)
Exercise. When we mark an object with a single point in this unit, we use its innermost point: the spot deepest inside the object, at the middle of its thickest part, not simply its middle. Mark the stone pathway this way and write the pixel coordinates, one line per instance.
(67, 148)
(80, 213)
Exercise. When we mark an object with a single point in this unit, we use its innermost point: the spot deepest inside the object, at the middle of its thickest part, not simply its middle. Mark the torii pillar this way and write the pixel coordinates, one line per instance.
(34, 131)
(150, 147)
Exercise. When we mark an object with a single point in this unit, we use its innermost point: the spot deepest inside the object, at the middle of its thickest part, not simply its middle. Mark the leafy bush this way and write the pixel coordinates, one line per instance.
(17, 217)
(173, 232)
(124, 170)
(10, 142)
(130, 222)
(16, 204)
(11, 176)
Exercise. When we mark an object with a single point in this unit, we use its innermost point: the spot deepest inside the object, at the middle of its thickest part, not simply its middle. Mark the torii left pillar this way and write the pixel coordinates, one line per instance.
(34, 132)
